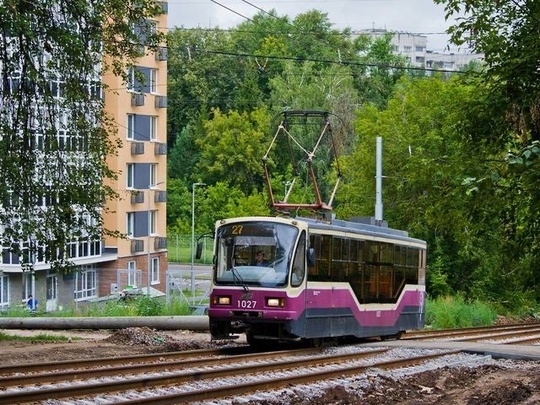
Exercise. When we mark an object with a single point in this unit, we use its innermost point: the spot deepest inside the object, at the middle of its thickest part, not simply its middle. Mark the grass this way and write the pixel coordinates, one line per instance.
(42, 337)
(455, 312)
(441, 313)
(138, 306)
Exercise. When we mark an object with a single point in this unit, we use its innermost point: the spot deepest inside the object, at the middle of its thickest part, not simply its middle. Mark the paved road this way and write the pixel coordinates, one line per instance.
(199, 268)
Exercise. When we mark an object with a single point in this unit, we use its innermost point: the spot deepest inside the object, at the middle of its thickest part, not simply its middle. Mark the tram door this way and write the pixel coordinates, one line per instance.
(318, 291)
(52, 290)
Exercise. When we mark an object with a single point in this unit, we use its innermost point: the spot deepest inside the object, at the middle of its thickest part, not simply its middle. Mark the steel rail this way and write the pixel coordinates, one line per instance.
(78, 390)
(76, 373)
(279, 382)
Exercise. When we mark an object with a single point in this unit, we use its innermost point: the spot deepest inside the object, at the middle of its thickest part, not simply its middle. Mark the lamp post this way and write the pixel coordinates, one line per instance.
(148, 264)
(193, 235)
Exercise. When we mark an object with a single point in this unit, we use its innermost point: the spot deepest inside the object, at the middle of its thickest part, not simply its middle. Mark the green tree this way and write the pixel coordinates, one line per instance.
(426, 162)
(222, 201)
(232, 148)
(506, 33)
(506, 118)
(51, 62)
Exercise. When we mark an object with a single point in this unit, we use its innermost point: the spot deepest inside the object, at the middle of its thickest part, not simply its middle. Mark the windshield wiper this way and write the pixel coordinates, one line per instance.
(238, 277)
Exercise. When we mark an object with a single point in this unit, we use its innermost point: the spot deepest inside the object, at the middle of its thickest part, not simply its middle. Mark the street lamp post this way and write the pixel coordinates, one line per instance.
(193, 235)
(148, 264)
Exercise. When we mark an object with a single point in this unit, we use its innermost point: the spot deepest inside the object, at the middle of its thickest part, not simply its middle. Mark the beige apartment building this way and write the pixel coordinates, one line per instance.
(140, 110)
(137, 261)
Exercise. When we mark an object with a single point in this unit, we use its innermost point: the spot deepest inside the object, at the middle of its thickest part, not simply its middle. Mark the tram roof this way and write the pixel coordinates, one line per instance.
(358, 227)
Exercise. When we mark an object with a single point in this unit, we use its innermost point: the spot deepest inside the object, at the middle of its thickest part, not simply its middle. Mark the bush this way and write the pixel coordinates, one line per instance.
(454, 312)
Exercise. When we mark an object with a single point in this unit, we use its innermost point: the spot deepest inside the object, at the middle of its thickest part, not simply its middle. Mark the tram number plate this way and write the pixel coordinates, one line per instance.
(247, 304)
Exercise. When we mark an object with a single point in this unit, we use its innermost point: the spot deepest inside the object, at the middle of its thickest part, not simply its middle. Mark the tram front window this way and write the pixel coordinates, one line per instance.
(254, 254)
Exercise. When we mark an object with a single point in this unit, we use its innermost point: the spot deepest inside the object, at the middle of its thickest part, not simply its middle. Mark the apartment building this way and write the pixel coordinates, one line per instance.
(106, 266)
(415, 48)
(140, 109)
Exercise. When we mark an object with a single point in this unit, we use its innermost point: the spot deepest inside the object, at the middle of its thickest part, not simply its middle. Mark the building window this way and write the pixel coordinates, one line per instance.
(86, 283)
(153, 128)
(130, 224)
(131, 276)
(144, 29)
(153, 80)
(131, 79)
(153, 222)
(130, 175)
(130, 127)
(56, 85)
(153, 174)
(142, 79)
(4, 292)
(155, 270)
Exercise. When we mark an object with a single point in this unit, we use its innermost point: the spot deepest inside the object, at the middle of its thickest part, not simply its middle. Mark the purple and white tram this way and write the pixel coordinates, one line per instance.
(320, 280)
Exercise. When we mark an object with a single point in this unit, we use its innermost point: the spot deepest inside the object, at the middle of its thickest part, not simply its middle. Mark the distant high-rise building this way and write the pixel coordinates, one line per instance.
(415, 48)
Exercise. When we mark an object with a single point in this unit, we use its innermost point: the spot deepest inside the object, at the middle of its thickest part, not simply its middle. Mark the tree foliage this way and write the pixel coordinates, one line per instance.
(506, 118)
(506, 33)
(54, 138)
(232, 148)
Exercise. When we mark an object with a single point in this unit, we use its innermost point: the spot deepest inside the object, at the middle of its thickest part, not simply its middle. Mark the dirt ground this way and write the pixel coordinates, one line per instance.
(493, 384)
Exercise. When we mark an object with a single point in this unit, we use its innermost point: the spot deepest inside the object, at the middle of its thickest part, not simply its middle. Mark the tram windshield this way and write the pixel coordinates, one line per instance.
(254, 253)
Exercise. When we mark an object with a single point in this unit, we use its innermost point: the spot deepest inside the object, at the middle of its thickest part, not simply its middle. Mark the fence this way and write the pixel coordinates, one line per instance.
(179, 249)
(190, 287)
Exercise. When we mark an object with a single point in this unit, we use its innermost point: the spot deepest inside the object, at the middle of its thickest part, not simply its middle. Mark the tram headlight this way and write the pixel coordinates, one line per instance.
(221, 300)
(275, 302)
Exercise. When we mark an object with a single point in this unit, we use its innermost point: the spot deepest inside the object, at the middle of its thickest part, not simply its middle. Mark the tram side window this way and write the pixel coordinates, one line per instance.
(340, 259)
(399, 270)
(323, 246)
(371, 279)
(413, 257)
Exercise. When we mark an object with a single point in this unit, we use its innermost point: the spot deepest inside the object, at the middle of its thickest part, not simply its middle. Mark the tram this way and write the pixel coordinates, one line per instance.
(320, 280)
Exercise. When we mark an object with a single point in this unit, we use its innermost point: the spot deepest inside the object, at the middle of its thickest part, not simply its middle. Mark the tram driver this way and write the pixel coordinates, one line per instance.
(260, 260)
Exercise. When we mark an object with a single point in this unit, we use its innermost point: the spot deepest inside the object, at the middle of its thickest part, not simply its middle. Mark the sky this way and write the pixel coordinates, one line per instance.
(414, 16)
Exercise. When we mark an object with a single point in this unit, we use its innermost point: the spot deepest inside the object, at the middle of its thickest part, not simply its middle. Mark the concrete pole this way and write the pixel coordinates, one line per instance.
(193, 236)
(378, 183)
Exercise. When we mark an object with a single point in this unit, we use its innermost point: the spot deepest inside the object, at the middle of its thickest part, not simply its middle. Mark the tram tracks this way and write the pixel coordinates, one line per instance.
(199, 375)
(504, 334)
(303, 366)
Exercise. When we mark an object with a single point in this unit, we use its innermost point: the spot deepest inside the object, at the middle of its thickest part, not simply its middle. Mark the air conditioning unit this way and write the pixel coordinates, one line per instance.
(137, 245)
(137, 148)
(160, 148)
(161, 54)
(160, 243)
(137, 197)
(160, 102)
(137, 100)
(160, 196)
